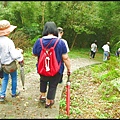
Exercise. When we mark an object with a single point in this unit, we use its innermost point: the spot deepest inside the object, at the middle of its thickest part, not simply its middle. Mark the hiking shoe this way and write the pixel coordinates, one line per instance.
(17, 94)
(2, 98)
(49, 105)
(42, 99)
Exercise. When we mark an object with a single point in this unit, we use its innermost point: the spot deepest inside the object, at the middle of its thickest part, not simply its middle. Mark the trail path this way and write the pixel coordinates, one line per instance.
(27, 105)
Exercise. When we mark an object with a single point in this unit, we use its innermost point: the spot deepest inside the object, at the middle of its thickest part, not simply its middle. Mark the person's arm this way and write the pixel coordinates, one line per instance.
(66, 60)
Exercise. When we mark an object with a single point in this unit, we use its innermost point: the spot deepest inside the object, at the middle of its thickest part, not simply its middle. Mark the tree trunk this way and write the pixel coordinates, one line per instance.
(5, 3)
(73, 42)
(43, 11)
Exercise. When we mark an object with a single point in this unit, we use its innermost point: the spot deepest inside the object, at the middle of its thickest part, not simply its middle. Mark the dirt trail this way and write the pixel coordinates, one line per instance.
(27, 105)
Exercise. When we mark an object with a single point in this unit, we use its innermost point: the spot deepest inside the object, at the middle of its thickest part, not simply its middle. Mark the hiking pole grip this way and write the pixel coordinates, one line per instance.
(68, 80)
(68, 73)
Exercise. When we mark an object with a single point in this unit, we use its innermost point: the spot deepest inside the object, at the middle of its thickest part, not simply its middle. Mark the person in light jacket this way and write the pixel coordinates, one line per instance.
(93, 49)
(60, 35)
(8, 54)
(106, 53)
(118, 52)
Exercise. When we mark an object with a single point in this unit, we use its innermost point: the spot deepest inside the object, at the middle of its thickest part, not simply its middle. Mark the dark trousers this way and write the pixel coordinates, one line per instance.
(117, 54)
(92, 54)
(61, 79)
(52, 86)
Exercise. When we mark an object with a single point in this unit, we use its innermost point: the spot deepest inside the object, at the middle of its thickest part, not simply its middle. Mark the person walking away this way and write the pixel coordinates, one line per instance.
(106, 53)
(118, 52)
(8, 54)
(93, 49)
(49, 37)
(60, 35)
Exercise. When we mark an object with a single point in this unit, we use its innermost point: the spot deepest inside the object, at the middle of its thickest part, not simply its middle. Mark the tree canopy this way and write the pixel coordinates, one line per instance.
(82, 21)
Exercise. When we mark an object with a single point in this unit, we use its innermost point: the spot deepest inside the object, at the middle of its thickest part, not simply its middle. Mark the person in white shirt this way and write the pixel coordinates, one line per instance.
(93, 49)
(60, 34)
(8, 54)
(106, 54)
(118, 52)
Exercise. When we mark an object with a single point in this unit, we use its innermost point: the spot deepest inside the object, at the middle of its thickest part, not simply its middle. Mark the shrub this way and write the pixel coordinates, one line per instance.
(20, 39)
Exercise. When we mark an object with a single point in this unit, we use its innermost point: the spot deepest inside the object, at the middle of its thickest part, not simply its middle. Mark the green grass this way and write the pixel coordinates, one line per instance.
(85, 53)
(106, 75)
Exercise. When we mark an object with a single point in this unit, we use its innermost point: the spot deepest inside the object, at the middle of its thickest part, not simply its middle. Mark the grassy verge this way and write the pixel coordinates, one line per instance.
(104, 78)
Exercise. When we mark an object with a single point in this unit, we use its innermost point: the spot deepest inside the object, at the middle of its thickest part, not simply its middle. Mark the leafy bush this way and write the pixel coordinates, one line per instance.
(20, 39)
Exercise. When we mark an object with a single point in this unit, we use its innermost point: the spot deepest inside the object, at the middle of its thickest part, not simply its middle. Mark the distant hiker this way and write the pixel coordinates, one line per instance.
(60, 35)
(118, 52)
(50, 35)
(106, 54)
(93, 49)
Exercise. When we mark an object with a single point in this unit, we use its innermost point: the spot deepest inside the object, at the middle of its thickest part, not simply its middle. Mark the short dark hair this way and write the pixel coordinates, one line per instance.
(50, 28)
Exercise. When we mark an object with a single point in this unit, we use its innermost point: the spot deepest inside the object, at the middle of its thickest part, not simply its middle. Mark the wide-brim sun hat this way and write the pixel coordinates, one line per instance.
(6, 28)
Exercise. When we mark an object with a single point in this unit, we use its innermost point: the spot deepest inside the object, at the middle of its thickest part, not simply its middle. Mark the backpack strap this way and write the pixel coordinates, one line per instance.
(55, 43)
(41, 42)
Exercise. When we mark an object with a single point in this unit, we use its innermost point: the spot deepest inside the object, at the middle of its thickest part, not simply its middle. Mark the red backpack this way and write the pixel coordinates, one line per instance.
(47, 63)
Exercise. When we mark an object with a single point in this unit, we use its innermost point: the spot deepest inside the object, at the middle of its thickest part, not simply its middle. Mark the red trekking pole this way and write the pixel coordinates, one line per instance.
(68, 95)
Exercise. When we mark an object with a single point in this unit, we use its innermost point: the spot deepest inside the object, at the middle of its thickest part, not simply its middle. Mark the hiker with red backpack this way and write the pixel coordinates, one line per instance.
(52, 54)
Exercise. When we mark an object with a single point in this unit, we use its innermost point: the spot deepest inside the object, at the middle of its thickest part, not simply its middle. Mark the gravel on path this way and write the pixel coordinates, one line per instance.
(27, 105)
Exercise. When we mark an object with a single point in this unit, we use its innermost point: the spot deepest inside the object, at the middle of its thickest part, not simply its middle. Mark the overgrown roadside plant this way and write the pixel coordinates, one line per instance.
(95, 91)
(20, 39)
(92, 94)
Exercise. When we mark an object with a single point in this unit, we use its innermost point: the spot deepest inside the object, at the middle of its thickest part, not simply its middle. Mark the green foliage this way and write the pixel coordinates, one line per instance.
(62, 117)
(116, 83)
(99, 68)
(78, 53)
(82, 21)
(108, 92)
(35, 39)
(106, 75)
(108, 88)
(116, 45)
(112, 74)
(102, 115)
(20, 39)
(62, 103)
